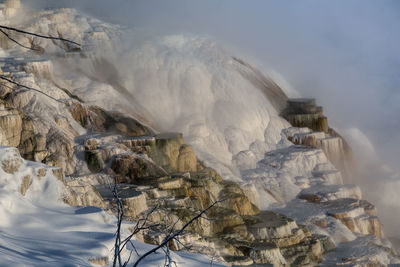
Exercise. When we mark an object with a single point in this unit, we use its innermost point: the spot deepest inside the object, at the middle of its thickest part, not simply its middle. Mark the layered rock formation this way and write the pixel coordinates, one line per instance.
(292, 175)
(43, 127)
(303, 112)
(153, 170)
(162, 172)
(303, 180)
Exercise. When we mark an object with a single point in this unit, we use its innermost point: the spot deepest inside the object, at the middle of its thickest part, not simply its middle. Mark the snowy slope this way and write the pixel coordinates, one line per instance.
(172, 83)
(38, 229)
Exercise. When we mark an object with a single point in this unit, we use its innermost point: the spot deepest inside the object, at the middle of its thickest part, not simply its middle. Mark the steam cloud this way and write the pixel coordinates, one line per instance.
(344, 53)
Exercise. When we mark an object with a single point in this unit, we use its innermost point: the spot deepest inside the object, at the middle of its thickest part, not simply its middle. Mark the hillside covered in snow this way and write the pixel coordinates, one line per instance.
(179, 122)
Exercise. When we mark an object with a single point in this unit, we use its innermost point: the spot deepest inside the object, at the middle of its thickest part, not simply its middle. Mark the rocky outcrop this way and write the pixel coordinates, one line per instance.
(132, 199)
(43, 121)
(326, 192)
(81, 194)
(168, 149)
(310, 189)
(344, 203)
(11, 161)
(303, 112)
(283, 173)
(32, 145)
(22, 175)
(187, 160)
(358, 215)
(354, 253)
(160, 178)
(296, 244)
(334, 147)
(26, 183)
(160, 170)
(98, 119)
(11, 125)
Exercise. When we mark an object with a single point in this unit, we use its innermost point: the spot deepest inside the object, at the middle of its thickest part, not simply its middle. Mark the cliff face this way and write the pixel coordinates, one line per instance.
(153, 170)
(283, 197)
(302, 112)
(163, 172)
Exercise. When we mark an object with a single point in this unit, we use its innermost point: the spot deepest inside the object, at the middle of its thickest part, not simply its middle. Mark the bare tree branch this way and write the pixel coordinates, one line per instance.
(212, 260)
(5, 85)
(35, 34)
(170, 237)
(117, 254)
(188, 248)
(18, 43)
(140, 225)
(2, 77)
(168, 260)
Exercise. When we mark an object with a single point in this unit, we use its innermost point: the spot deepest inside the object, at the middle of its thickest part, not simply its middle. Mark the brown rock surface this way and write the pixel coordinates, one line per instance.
(187, 160)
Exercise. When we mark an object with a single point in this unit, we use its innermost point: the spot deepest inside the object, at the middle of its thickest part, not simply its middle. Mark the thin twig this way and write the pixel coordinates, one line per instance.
(130, 255)
(138, 228)
(134, 248)
(18, 43)
(2, 77)
(188, 248)
(117, 254)
(169, 238)
(212, 260)
(9, 87)
(38, 35)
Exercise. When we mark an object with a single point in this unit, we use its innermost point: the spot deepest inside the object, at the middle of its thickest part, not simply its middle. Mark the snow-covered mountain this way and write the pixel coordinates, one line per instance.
(227, 109)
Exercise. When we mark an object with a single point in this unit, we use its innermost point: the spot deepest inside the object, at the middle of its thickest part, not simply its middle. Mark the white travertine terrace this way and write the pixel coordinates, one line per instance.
(230, 124)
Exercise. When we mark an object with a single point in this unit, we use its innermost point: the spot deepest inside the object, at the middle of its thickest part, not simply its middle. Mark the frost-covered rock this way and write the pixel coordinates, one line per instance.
(229, 114)
(363, 251)
(35, 221)
(334, 146)
(25, 190)
(11, 122)
(283, 173)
